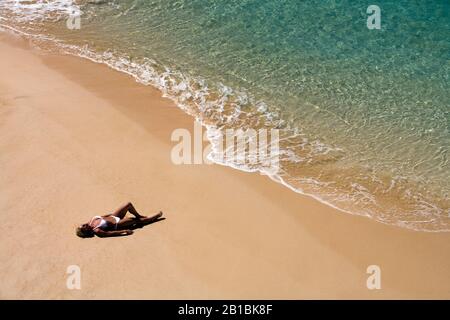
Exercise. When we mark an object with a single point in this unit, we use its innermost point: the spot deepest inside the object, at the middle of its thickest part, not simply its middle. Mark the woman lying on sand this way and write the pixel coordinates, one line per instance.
(114, 224)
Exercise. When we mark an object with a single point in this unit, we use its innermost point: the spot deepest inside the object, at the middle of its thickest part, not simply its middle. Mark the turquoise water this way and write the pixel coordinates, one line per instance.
(364, 114)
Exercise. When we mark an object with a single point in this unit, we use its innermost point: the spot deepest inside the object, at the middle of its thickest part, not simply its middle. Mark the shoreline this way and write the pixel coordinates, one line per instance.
(91, 56)
(79, 138)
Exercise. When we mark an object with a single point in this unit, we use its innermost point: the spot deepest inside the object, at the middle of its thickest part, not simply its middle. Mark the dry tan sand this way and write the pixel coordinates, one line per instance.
(78, 139)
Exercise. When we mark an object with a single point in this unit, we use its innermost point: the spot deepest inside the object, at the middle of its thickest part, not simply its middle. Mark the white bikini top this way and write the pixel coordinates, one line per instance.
(103, 223)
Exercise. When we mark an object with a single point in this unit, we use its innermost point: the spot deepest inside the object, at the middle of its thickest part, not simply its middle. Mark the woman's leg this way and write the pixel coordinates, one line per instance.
(133, 211)
(128, 207)
(147, 220)
(127, 223)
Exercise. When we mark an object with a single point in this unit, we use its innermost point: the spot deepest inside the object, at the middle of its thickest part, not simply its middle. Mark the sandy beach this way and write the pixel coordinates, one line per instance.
(78, 139)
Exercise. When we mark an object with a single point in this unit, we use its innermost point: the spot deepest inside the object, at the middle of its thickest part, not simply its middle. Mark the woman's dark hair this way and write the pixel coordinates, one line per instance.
(85, 231)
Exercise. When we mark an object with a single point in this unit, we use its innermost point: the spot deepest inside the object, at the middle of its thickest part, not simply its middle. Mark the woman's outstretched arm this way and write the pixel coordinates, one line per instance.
(119, 233)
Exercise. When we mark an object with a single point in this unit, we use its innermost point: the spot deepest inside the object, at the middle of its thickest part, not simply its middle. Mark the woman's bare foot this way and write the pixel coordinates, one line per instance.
(158, 215)
(147, 220)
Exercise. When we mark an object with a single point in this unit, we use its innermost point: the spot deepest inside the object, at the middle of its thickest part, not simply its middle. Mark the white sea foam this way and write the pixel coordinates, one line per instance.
(29, 10)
